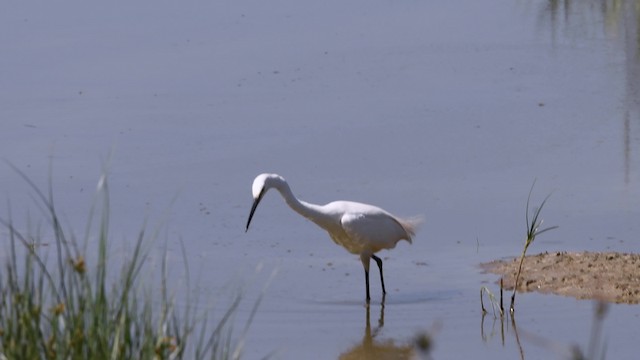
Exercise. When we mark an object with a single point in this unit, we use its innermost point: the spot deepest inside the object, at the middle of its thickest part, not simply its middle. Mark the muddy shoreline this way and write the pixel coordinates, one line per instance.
(608, 276)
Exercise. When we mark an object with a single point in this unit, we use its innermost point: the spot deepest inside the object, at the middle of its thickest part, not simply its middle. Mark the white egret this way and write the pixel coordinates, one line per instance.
(362, 229)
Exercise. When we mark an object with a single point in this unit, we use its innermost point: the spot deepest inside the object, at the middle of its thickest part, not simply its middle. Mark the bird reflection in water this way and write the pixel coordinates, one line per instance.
(372, 348)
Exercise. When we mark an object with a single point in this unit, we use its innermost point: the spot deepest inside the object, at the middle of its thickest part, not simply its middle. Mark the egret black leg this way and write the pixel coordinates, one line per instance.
(366, 279)
(379, 262)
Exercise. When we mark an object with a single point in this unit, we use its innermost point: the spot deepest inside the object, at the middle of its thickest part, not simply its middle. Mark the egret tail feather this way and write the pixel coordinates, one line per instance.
(411, 225)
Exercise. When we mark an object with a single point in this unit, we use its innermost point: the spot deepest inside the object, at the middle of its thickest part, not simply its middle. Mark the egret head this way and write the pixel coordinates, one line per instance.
(261, 184)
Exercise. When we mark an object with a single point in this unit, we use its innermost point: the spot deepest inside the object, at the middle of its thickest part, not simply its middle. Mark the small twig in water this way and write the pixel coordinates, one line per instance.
(492, 300)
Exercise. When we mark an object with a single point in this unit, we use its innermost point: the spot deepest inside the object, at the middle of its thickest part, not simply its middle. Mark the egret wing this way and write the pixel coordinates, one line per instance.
(373, 230)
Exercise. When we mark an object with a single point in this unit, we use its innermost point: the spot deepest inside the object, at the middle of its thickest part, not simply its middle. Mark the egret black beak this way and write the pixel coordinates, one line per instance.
(253, 209)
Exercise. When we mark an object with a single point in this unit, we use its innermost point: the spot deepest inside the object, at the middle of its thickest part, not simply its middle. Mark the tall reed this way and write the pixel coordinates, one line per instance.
(533, 230)
(74, 306)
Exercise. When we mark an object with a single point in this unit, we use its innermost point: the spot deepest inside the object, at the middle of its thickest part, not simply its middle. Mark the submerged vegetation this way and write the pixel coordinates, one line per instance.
(75, 306)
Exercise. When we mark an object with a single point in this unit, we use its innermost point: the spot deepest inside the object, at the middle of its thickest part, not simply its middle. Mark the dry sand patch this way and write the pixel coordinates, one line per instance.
(608, 276)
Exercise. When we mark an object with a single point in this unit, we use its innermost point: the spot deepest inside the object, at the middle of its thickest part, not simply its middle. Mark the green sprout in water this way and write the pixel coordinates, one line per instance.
(495, 303)
(533, 230)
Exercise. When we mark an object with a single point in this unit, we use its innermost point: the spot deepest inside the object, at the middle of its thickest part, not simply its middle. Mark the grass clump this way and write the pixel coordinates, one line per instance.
(73, 306)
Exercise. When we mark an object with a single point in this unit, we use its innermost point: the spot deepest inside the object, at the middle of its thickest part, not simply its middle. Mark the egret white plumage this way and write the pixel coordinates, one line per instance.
(360, 228)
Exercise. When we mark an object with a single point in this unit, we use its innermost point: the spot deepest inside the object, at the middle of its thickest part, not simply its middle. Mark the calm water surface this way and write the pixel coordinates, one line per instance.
(446, 109)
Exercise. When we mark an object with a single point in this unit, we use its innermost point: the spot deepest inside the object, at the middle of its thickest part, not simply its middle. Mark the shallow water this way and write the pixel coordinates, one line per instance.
(447, 109)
